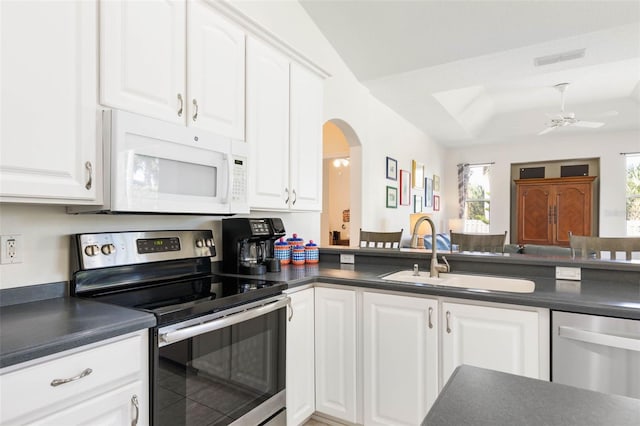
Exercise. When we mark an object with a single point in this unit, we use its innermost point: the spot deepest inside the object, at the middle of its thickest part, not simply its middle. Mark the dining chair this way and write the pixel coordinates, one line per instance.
(380, 240)
(593, 247)
(478, 242)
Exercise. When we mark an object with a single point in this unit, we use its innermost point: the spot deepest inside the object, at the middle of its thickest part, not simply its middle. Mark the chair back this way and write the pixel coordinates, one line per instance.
(380, 240)
(479, 242)
(593, 247)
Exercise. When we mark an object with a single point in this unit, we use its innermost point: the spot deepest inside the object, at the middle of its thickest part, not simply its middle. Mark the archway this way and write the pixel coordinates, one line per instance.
(342, 184)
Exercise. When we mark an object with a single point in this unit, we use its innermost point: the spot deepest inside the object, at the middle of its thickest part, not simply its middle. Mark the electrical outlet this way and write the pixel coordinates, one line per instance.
(347, 258)
(10, 249)
(568, 273)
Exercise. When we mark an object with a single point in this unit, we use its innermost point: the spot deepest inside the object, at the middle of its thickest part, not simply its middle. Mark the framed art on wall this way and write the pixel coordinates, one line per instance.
(405, 188)
(436, 183)
(392, 169)
(417, 203)
(392, 197)
(417, 170)
(428, 192)
(436, 203)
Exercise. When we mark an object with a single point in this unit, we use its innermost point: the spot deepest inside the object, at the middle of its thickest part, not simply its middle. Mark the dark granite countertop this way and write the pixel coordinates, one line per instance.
(29, 330)
(477, 396)
(36, 329)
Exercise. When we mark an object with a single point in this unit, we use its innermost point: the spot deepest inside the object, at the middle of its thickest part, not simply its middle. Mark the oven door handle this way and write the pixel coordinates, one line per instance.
(217, 324)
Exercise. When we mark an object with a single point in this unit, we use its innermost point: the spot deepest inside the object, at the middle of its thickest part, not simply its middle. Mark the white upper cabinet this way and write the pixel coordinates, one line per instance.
(48, 102)
(142, 57)
(268, 126)
(173, 60)
(306, 139)
(216, 69)
(284, 131)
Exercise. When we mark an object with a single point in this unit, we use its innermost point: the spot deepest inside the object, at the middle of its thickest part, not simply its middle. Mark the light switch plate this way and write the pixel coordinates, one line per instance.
(347, 258)
(568, 273)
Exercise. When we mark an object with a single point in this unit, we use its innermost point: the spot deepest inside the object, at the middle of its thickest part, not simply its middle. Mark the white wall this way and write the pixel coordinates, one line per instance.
(597, 144)
(46, 229)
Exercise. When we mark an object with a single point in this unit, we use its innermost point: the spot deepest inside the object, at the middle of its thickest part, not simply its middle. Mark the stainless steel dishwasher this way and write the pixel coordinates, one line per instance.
(596, 353)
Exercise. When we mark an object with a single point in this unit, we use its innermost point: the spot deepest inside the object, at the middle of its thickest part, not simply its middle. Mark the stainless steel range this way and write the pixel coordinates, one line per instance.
(218, 350)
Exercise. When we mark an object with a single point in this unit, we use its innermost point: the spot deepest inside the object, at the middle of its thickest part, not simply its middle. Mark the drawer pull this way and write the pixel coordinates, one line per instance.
(430, 314)
(58, 382)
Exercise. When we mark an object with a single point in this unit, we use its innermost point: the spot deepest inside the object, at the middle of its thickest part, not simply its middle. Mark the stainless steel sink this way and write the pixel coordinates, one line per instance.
(483, 282)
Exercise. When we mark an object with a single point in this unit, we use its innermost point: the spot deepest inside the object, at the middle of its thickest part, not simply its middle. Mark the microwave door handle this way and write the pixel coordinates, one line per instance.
(229, 177)
(610, 340)
(196, 330)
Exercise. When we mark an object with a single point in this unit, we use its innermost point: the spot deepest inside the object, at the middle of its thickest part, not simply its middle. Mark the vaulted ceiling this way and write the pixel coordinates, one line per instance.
(464, 71)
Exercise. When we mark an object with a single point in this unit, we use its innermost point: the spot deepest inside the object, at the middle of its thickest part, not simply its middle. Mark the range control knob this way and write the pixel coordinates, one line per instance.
(199, 243)
(209, 242)
(92, 250)
(108, 249)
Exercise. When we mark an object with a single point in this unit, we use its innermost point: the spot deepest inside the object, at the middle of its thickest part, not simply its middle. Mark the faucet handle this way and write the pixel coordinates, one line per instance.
(447, 263)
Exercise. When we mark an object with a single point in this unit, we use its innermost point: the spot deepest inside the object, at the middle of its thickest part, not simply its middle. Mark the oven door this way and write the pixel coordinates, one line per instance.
(224, 370)
(161, 167)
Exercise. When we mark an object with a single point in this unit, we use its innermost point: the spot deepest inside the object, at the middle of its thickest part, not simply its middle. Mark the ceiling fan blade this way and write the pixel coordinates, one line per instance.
(547, 130)
(590, 124)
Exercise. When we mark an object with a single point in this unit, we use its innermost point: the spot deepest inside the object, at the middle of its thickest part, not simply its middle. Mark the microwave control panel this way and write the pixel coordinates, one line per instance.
(239, 188)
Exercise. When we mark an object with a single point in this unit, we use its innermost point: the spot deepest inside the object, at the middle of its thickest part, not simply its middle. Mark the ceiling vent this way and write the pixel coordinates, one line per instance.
(559, 57)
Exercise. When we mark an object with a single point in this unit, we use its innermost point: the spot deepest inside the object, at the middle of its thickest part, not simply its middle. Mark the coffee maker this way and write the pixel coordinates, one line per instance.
(247, 245)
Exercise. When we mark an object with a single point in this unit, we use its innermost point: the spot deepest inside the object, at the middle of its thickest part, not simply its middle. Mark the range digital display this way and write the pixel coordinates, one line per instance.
(158, 245)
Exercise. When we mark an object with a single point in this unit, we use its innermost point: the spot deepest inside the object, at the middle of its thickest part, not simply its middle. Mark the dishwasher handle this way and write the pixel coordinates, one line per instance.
(188, 332)
(610, 340)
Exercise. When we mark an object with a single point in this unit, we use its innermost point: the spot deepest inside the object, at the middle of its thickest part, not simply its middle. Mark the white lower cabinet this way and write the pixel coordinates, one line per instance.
(300, 382)
(512, 340)
(400, 358)
(101, 384)
(335, 336)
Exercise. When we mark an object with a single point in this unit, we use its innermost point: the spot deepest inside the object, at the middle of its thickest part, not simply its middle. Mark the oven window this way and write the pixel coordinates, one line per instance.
(217, 377)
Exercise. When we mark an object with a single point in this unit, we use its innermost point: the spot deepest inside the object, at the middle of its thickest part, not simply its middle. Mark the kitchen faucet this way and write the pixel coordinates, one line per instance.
(436, 268)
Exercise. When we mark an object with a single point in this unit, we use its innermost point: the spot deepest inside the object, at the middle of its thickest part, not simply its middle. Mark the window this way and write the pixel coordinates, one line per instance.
(633, 195)
(477, 199)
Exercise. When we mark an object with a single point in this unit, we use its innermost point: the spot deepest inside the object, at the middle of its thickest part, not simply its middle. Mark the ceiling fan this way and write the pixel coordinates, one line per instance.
(563, 118)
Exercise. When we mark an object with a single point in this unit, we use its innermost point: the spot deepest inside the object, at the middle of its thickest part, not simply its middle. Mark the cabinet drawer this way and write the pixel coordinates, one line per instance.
(30, 389)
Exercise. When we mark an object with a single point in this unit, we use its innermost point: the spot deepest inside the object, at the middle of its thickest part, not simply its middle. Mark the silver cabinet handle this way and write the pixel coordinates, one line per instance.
(295, 197)
(136, 406)
(291, 314)
(89, 168)
(195, 112)
(181, 105)
(286, 191)
(430, 314)
(448, 322)
(58, 382)
(610, 340)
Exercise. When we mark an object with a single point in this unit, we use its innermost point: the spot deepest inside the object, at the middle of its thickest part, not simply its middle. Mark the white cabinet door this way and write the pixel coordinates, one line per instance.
(489, 337)
(216, 64)
(115, 408)
(267, 126)
(48, 101)
(306, 139)
(400, 358)
(300, 358)
(142, 57)
(336, 352)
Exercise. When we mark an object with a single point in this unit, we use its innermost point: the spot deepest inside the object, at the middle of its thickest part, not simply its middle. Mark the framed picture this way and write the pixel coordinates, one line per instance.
(428, 192)
(436, 183)
(417, 203)
(436, 203)
(405, 188)
(417, 174)
(392, 169)
(392, 197)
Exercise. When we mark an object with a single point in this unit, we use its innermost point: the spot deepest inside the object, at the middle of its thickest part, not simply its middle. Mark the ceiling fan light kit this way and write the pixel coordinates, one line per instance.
(563, 118)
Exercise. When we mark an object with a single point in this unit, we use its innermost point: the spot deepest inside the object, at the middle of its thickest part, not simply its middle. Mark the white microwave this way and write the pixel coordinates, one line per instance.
(151, 166)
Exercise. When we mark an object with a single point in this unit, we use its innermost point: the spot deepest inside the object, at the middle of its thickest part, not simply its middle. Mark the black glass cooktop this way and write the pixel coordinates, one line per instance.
(180, 300)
